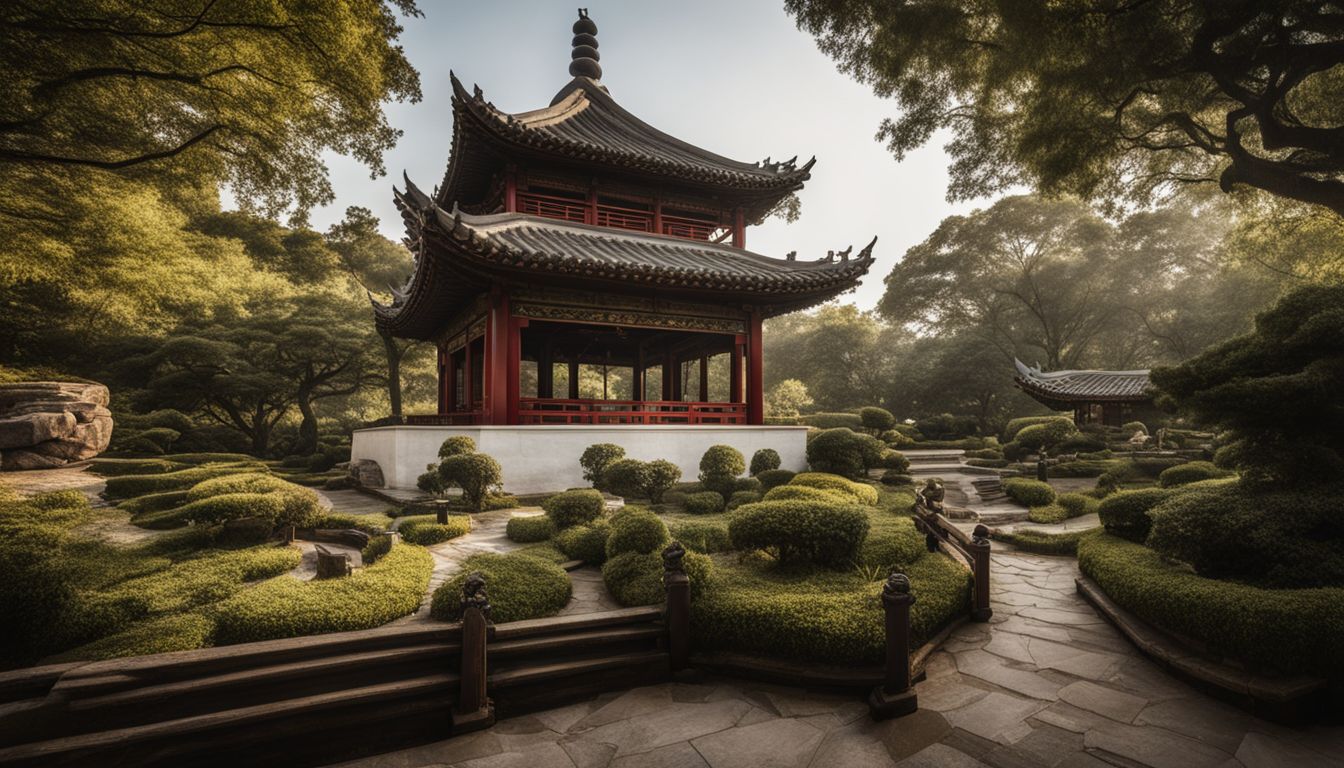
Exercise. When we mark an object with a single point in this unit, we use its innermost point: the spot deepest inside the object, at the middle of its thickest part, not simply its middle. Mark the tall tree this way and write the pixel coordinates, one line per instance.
(1109, 98)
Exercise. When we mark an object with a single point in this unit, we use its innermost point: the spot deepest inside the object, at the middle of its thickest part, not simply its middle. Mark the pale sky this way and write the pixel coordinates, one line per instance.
(735, 77)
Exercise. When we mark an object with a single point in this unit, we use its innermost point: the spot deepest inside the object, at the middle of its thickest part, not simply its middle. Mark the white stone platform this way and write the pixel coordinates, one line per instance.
(545, 458)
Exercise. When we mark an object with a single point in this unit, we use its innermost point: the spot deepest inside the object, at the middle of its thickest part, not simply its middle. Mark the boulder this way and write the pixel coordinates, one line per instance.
(367, 473)
(45, 424)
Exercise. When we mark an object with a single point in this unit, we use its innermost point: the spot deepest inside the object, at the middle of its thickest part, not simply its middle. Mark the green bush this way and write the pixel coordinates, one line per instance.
(457, 445)
(153, 502)
(1289, 630)
(892, 542)
(1027, 492)
(585, 542)
(985, 453)
(1077, 504)
(844, 452)
(628, 478)
(703, 536)
(827, 533)
(379, 544)
(945, 426)
(126, 486)
(118, 467)
(1013, 451)
(764, 460)
(663, 475)
(637, 579)
(1125, 514)
(1046, 435)
(719, 469)
(773, 478)
(300, 506)
(742, 497)
(372, 524)
(860, 492)
(426, 529)
(1050, 513)
(1130, 427)
(1192, 472)
(475, 473)
(1289, 538)
(832, 420)
(1038, 542)
(636, 531)
(894, 460)
(1080, 442)
(876, 420)
(596, 458)
(217, 509)
(210, 458)
(287, 607)
(804, 492)
(526, 530)
(1017, 425)
(896, 438)
(576, 507)
(704, 503)
(989, 463)
(175, 632)
(892, 477)
(518, 586)
(1081, 468)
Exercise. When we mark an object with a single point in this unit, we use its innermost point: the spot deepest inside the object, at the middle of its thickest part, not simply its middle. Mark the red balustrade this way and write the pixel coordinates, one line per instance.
(535, 410)
(457, 419)
(617, 217)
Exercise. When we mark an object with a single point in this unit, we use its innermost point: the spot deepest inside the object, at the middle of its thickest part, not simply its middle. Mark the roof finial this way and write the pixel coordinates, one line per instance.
(584, 57)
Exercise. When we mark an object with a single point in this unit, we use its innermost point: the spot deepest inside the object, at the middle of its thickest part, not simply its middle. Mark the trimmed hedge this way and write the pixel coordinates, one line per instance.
(773, 478)
(844, 452)
(119, 467)
(1029, 493)
(1017, 425)
(877, 420)
(637, 579)
(764, 460)
(1050, 513)
(705, 502)
(832, 420)
(576, 507)
(287, 607)
(596, 458)
(372, 524)
(527, 530)
(1042, 543)
(178, 632)
(627, 478)
(892, 477)
(826, 533)
(860, 492)
(1078, 504)
(1125, 514)
(894, 460)
(1191, 472)
(519, 586)
(636, 531)
(585, 542)
(426, 529)
(1046, 434)
(1291, 630)
(805, 493)
(742, 497)
(719, 469)
(703, 536)
(126, 486)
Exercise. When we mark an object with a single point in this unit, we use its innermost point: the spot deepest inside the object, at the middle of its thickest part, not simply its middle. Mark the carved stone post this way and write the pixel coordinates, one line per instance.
(474, 708)
(895, 697)
(979, 547)
(677, 613)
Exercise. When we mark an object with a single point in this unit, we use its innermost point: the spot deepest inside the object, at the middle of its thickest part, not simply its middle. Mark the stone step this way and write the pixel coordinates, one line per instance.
(552, 647)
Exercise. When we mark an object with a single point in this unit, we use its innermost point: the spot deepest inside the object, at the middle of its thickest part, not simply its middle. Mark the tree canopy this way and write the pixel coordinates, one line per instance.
(1118, 99)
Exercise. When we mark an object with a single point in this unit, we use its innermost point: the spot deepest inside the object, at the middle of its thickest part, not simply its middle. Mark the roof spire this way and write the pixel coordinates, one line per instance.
(584, 57)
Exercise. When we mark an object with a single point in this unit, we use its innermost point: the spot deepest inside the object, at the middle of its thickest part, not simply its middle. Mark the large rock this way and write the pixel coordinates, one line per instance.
(47, 424)
(367, 473)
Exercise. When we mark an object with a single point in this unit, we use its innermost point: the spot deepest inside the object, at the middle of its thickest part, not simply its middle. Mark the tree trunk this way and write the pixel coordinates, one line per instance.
(261, 437)
(393, 373)
(308, 426)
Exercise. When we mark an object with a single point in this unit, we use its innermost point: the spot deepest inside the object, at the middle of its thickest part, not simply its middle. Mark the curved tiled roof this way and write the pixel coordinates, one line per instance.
(459, 252)
(1083, 386)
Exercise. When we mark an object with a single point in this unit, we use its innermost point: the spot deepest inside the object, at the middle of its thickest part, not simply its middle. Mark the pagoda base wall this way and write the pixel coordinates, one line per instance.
(545, 458)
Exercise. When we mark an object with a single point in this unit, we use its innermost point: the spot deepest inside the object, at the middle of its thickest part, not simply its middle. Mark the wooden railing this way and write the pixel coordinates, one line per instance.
(456, 419)
(536, 410)
(619, 217)
(939, 532)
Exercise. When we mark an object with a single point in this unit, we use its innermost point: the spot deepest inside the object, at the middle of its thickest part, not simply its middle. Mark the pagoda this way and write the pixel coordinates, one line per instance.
(1109, 398)
(578, 235)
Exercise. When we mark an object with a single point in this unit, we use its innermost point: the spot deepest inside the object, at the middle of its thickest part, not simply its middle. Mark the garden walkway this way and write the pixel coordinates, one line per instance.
(1046, 682)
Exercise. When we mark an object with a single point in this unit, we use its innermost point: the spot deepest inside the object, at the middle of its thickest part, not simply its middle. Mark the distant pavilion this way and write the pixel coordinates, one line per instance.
(1110, 398)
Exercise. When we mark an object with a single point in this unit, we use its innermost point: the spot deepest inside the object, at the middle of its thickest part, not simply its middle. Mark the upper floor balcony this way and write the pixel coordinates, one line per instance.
(619, 217)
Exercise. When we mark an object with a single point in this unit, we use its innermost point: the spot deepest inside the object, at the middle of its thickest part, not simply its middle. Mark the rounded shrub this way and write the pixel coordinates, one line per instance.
(585, 542)
(1050, 513)
(218, 509)
(1028, 492)
(844, 452)
(877, 420)
(1192, 472)
(595, 459)
(720, 467)
(426, 529)
(804, 492)
(1047, 434)
(895, 460)
(825, 532)
(892, 477)
(764, 460)
(457, 445)
(636, 531)
(743, 497)
(773, 478)
(1130, 427)
(526, 530)
(896, 438)
(1125, 514)
(475, 473)
(576, 507)
(662, 476)
(705, 502)
(1077, 504)
(1017, 425)
(860, 492)
(707, 536)
(627, 478)
(832, 420)
(637, 579)
(519, 587)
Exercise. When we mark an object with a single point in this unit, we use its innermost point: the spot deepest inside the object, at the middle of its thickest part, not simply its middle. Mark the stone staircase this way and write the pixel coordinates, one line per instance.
(973, 492)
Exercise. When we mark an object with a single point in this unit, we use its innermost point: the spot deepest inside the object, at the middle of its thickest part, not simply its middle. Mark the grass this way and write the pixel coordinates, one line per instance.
(1043, 543)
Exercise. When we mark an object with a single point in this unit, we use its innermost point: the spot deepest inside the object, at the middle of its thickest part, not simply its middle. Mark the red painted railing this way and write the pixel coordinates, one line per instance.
(533, 410)
(459, 419)
(569, 209)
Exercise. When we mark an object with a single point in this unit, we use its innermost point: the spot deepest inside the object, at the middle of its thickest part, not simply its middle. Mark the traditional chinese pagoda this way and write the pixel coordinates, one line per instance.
(1110, 398)
(579, 235)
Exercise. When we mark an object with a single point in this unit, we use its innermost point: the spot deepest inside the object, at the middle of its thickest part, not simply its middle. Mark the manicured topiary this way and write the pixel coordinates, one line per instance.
(475, 473)
(772, 478)
(703, 503)
(1191, 472)
(628, 478)
(595, 459)
(574, 507)
(1017, 425)
(426, 529)
(1125, 514)
(720, 467)
(519, 587)
(636, 531)
(764, 460)
(892, 477)
(742, 497)
(457, 445)
(832, 420)
(526, 530)
(860, 492)
(707, 536)
(1027, 492)
(218, 509)
(805, 492)
(1050, 513)
(827, 533)
(896, 438)
(585, 542)
(1130, 427)
(844, 452)
(637, 579)
(1077, 504)
(1047, 434)
(894, 460)
(662, 476)
(876, 420)
(118, 467)
(126, 486)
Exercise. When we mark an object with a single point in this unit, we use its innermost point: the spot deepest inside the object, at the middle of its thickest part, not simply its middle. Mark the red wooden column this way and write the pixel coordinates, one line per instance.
(498, 332)
(704, 378)
(735, 375)
(510, 189)
(445, 383)
(755, 382)
(515, 362)
(468, 378)
(739, 229)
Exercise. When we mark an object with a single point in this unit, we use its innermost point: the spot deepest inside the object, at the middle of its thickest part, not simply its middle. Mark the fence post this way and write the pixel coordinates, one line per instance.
(979, 547)
(677, 613)
(474, 708)
(895, 697)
